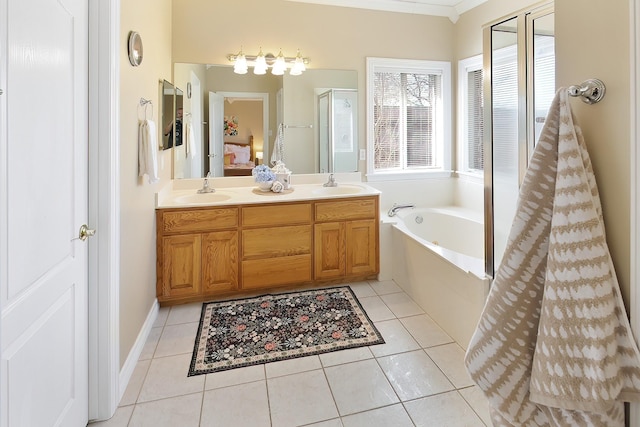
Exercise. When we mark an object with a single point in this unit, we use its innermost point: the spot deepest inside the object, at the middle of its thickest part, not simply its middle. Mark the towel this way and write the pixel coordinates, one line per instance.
(190, 150)
(148, 150)
(553, 346)
(278, 146)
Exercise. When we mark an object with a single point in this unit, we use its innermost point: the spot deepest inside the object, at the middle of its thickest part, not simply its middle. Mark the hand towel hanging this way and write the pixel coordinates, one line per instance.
(148, 150)
(553, 346)
(278, 146)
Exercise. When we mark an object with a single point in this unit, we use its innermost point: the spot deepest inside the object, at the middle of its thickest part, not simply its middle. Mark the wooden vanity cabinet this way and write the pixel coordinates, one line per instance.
(197, 253)
(204, 252)
(346, 238)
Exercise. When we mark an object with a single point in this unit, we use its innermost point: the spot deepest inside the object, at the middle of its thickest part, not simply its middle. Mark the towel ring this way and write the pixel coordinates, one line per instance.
(590, 91)
(145, 103)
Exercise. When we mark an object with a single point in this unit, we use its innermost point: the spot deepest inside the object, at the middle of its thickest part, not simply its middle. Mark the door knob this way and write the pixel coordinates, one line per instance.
(85, 232)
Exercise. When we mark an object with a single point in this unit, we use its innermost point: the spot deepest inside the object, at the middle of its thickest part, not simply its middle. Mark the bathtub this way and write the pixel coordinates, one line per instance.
(438, 259)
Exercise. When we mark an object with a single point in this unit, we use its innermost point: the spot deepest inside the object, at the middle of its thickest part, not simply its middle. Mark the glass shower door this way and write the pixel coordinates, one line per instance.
(519, 53)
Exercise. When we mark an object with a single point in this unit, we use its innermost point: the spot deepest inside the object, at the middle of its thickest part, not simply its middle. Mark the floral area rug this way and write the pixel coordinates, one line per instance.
(267, 328)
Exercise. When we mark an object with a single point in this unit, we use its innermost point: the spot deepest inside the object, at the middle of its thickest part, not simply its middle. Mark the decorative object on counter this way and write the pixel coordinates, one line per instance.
(265, 186)
(271, 192)
(230, 126)
(283, 175)
(264, 177)
(268, 328)
(262, 62)
(277, 187)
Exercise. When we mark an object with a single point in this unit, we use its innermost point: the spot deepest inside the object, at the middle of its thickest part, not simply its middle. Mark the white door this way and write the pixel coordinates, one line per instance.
(216, 134)
(43, 202)
(197, 160)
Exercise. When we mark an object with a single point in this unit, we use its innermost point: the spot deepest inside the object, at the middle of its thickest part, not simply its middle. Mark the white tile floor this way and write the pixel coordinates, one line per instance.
(416, 379)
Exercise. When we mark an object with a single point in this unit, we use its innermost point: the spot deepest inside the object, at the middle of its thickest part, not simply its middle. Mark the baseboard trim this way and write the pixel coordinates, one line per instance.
(136, 350)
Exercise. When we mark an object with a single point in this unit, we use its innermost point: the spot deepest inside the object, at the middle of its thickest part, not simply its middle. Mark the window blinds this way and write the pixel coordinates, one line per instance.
(405, 119)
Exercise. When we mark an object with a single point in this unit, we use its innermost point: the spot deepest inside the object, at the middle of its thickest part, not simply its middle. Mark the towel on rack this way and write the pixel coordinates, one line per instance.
(148, 150)
(553, 346)
(190, 151)
(278, 146)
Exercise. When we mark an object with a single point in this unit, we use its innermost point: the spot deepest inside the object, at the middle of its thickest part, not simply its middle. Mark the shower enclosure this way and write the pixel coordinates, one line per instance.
(519, 85)
(338, 130)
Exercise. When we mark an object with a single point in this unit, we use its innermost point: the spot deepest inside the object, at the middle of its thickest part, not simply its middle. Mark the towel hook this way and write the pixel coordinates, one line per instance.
(145, 103)
(590, 91)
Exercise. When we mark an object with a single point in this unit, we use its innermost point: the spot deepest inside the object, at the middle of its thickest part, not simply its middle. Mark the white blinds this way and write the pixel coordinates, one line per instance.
(405, 119)
(475, 121)
(504, 81)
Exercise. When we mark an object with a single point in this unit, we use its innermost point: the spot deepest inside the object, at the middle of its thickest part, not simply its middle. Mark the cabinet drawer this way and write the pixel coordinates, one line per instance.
(199, 220)
(346, 209)
(276, 241)
(264, 273)
(273, 215)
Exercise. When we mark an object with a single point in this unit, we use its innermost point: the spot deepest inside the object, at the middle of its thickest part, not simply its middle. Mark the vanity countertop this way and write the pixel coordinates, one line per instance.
(231, 191)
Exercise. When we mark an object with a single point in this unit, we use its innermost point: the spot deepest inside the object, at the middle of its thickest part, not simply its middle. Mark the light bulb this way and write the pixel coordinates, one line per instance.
(240, 64)
(261, 64)
(279, 65)
(298, 66)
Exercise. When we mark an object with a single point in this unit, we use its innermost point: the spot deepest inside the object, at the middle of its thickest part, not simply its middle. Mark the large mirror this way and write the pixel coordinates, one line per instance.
(230, 118)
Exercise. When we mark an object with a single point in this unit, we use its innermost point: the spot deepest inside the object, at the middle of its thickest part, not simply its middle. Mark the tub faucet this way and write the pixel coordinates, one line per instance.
(205, 185)
(396, 207)
(331, 182)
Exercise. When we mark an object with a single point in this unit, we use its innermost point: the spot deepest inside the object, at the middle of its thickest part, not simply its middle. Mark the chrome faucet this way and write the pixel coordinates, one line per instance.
(205, 185)
(396, 207)
(331, 182)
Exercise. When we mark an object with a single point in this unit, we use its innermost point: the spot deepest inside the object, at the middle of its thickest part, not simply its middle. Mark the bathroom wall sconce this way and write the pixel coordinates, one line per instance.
(261, 63)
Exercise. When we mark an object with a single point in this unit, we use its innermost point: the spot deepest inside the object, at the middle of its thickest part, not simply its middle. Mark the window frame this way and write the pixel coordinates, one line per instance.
(444, 127)
(465, 66)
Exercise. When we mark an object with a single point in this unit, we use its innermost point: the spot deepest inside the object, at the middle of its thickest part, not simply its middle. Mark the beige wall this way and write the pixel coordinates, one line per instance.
(152, 19)
(601, 49)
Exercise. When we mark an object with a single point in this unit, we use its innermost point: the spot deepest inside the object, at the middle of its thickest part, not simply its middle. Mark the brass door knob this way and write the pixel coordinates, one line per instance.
(85, 232)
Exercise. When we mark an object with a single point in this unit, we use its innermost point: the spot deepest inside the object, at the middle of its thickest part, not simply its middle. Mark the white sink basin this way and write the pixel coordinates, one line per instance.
(340, 189)
(204, 198)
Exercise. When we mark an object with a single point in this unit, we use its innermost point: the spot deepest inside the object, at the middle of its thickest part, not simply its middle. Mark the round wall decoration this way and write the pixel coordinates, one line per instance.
(135, 48)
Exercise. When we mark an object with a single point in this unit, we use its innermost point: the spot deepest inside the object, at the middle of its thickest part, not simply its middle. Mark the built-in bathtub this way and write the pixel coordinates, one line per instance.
(438, 260)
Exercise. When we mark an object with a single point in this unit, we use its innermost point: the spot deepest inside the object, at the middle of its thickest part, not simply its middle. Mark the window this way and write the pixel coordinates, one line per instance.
(408, 117)
(471, 116)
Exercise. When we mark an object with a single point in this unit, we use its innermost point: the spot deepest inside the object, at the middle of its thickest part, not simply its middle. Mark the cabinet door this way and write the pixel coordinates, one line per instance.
(329, 250)
(362, 254)
(219, 262)
(181, 265)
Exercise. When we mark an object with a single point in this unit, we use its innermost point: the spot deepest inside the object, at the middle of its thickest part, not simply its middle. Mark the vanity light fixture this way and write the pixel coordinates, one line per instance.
(261, 63)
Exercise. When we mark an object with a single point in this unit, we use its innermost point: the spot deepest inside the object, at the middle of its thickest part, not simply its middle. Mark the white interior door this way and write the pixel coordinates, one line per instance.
(196, 159)
(43, 202)
(216, 134)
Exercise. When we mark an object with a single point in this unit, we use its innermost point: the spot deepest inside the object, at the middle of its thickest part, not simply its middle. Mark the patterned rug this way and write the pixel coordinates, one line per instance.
(268, 328)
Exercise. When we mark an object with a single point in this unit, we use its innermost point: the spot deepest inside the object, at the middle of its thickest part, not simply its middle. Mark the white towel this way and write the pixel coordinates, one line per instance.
(553, 346)
(191, 143)
(278, 146)
(148, 150)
